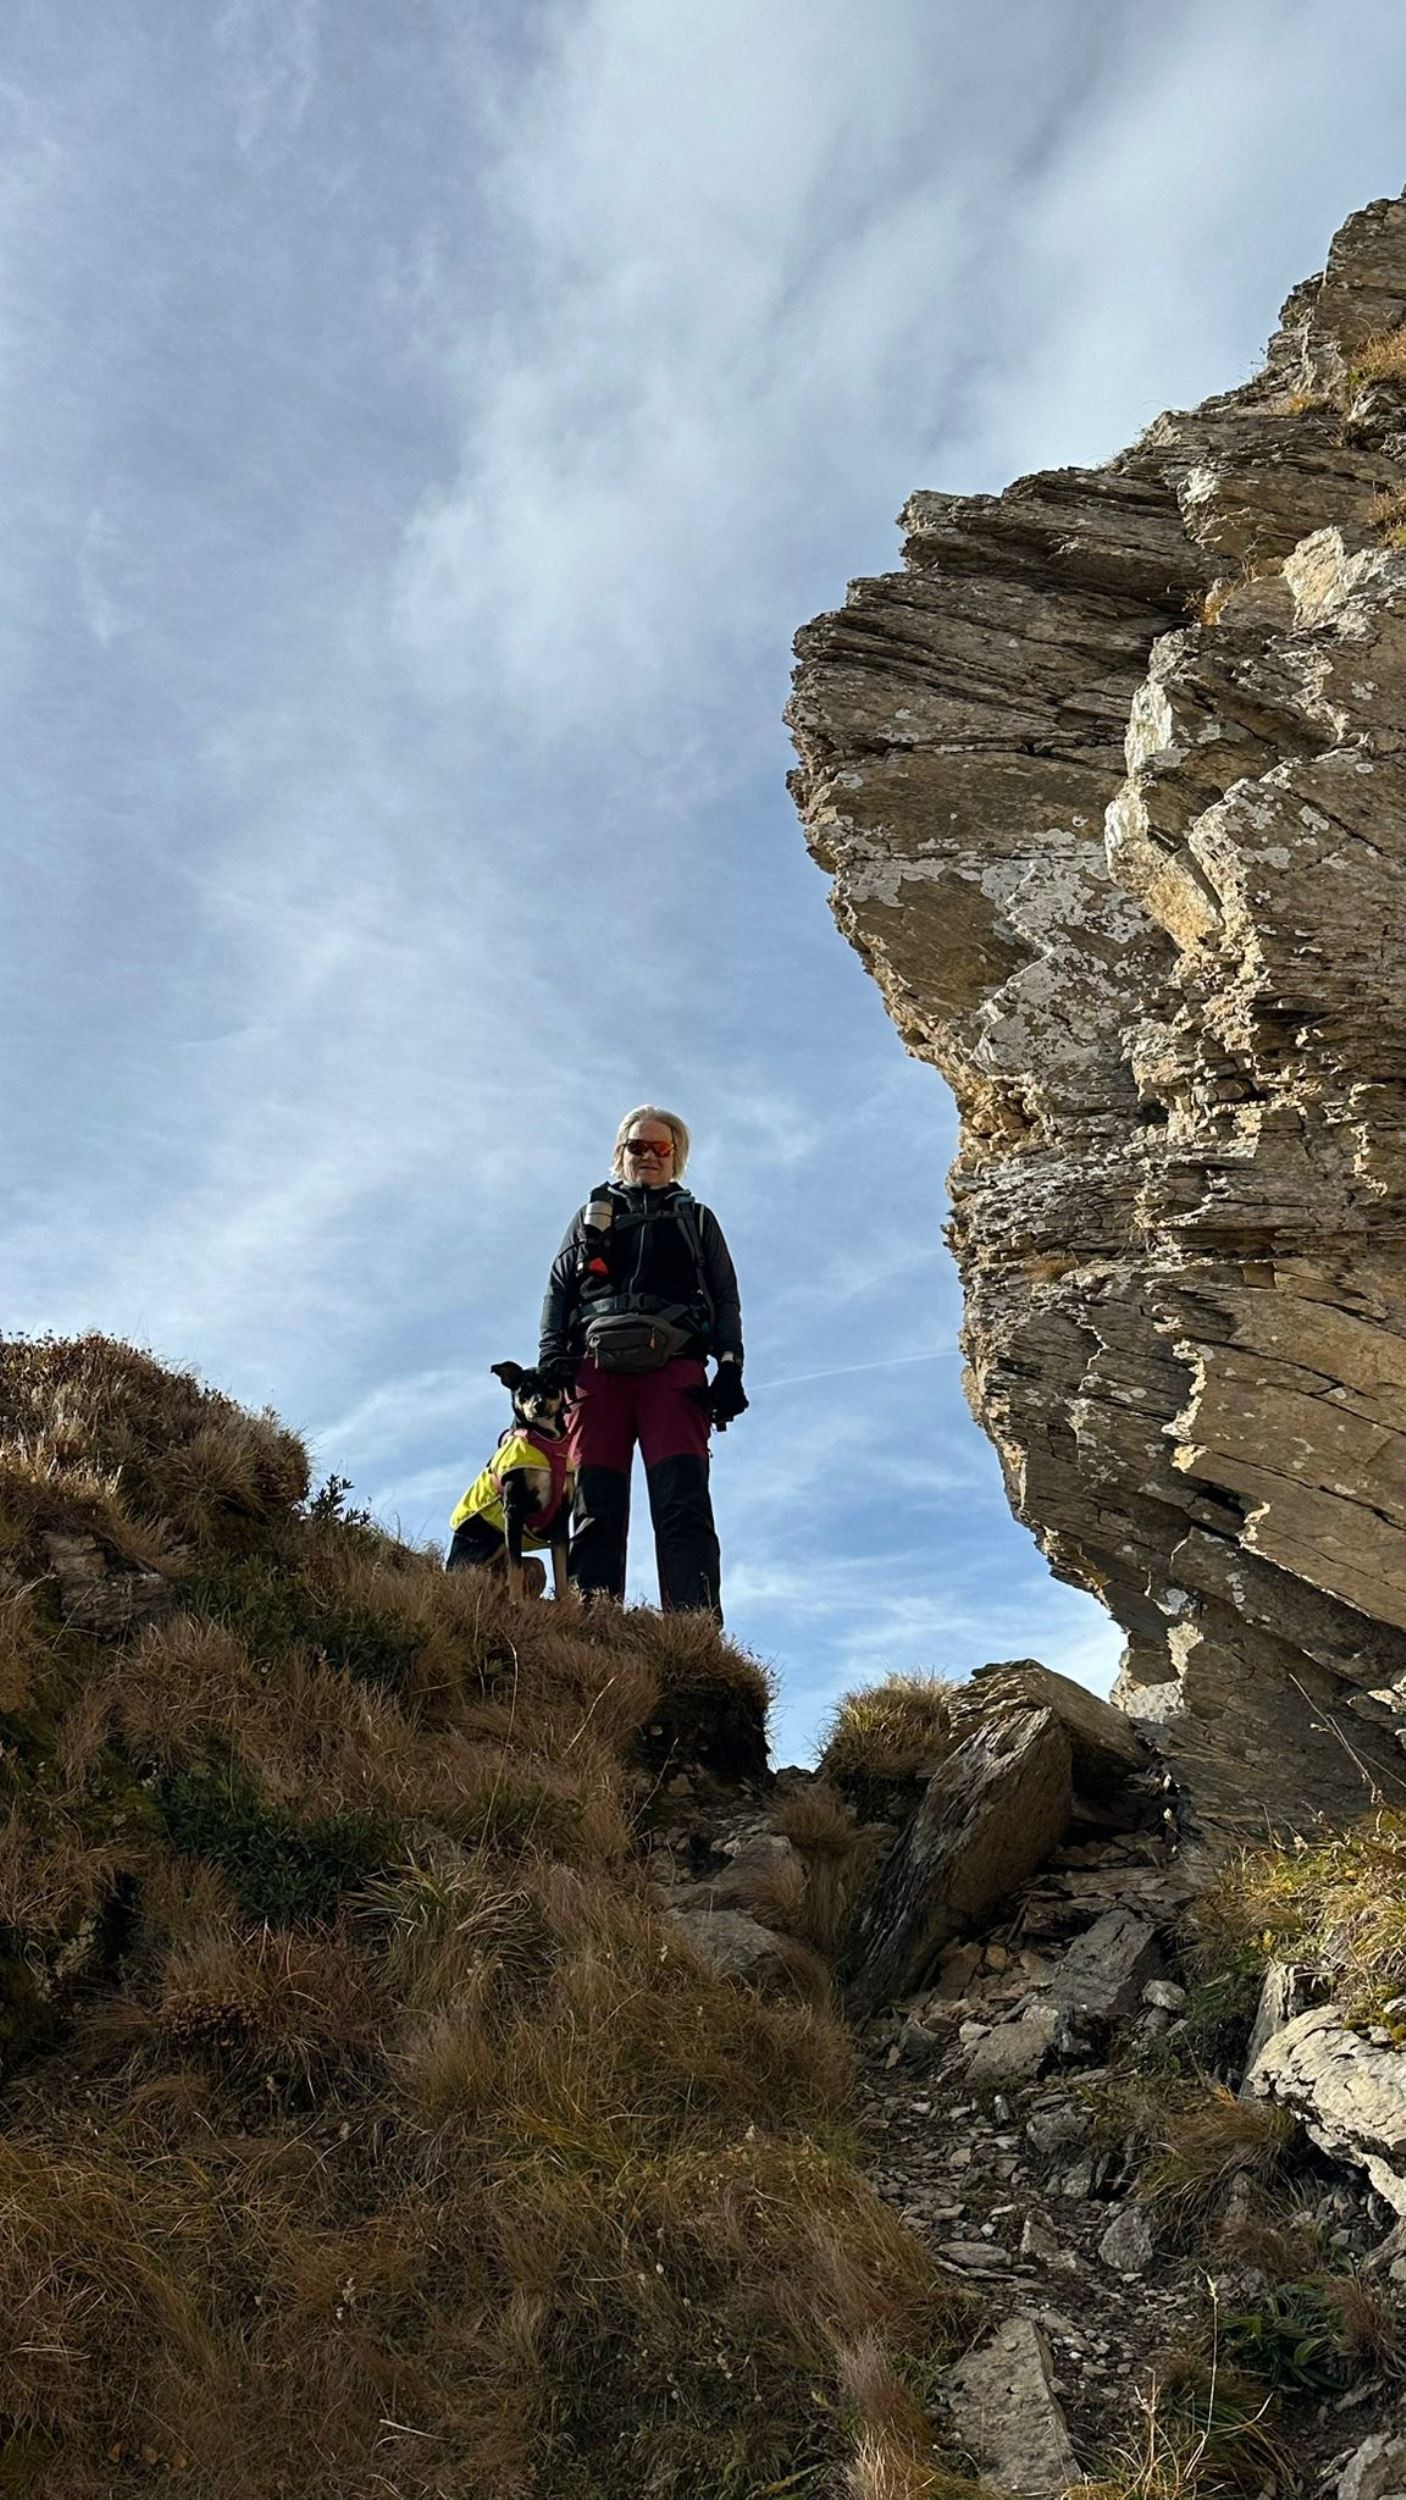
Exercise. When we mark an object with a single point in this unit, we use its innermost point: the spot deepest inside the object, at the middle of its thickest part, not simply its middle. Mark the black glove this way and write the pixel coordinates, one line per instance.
(727, 1399)
(558, 1371)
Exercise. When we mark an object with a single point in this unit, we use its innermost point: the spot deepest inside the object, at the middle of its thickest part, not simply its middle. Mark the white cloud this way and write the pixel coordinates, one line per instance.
(269, 48)
(413, 501)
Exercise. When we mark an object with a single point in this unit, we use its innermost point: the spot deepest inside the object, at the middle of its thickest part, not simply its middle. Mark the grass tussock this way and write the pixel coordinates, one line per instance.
(1206, 2434)
(1209, 606)
(98, 1436)
(1387, 513)
(809, 1893)
(894, 2458)
(1338, 1906)
(889, 1736)
(1380, 358)
(1205, 2149)
(366, 2129)
(19, 1648)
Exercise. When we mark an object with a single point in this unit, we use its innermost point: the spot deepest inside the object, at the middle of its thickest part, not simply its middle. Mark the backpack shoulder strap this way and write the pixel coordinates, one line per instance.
(686, 1208)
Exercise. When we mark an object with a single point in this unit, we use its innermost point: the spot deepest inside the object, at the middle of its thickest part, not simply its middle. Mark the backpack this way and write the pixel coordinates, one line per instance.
(627, 1332)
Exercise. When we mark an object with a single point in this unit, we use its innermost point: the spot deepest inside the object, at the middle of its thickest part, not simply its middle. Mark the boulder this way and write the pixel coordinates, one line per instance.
(1117, 1781)
(990, 1814)
(1015, 2052)
(958, 1968)
(1004, 2405)
(1126, 2245)
(106, 1601)
(1049, 2131)
(1350, 2094)
(734, 1940)
(1287, 1991)
(1103, 1974)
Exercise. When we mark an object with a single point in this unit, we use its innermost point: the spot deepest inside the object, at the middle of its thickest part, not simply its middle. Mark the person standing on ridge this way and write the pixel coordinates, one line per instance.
(641, 1292)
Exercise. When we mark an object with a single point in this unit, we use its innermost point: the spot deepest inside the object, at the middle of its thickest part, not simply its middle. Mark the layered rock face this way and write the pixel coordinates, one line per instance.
(1111, 785)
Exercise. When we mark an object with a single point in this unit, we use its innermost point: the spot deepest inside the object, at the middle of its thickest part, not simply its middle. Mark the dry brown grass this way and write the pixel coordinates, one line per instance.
(1205, 2149)
(394, 2142)
(1379, 358)
(284, 2008)
(1209, 606)
(891, 1733)
(20, 1644)
(1208, 2431)
(809, 1894)
(1368, 2318)
(895, 2457)
(53, 1873)
(100, 1435)
(1338, 1905)
(1387, 513)
(1163, 2462)
(886, 2469)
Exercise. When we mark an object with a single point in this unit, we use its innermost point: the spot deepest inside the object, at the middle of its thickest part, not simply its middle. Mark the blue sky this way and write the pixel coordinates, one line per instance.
(422, 428)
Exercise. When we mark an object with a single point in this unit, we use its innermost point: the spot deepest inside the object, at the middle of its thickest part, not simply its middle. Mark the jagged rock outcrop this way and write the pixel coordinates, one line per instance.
(1109, 782)
(1349, 2091)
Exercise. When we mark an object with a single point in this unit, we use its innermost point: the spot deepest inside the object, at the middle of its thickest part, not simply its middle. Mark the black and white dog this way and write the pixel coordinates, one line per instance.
(524, 1493)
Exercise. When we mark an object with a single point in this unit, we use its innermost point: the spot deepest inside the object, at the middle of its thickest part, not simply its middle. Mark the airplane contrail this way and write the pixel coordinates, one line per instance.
(891, 1362)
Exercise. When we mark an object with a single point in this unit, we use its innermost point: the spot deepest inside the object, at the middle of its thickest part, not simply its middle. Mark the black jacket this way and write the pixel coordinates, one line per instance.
(653, 1264)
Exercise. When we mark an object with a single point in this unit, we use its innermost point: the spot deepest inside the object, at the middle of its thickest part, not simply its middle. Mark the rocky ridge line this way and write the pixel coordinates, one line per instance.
(1109, 785)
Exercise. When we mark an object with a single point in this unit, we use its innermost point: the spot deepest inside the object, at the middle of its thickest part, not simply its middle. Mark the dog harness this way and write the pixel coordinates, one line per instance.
(519, 1448)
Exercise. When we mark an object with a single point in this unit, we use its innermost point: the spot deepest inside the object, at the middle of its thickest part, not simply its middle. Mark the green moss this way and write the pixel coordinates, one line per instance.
(275, 1611)
(280, 1870)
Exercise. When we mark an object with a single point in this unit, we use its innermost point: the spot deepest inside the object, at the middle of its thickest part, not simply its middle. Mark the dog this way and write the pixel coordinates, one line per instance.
(525, 1491)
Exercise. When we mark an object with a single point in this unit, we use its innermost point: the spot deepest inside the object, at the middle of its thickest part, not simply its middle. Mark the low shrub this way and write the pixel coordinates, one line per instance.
(1293, 2339)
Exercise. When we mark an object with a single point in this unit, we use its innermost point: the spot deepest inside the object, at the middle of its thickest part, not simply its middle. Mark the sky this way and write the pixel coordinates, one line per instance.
(422, 430)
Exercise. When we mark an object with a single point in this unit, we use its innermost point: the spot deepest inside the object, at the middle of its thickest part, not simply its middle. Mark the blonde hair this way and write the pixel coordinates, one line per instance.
(672, 1122)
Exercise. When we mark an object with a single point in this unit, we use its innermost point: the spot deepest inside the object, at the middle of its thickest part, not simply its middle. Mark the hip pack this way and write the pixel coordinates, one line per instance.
(634, 1341)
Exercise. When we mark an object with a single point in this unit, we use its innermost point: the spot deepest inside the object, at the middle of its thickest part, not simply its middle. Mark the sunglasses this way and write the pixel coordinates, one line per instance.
(648, 1146)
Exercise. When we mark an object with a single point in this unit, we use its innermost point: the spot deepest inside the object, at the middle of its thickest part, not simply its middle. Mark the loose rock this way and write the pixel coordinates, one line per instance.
(1003, 2401)
(1126, 2245)
(1103, 1973)
(1378, 2469)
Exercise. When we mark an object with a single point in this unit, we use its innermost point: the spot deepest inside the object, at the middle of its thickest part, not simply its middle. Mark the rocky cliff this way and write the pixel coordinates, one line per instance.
(1109, 782)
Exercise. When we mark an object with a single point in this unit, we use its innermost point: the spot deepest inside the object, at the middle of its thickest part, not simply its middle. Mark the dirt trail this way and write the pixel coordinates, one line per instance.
(994, 2102)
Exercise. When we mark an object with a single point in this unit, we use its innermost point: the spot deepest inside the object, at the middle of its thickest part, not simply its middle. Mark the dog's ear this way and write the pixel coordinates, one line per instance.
(512, 1375)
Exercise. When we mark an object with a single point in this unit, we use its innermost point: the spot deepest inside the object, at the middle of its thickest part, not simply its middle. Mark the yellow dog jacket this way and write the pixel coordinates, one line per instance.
(546, 1465)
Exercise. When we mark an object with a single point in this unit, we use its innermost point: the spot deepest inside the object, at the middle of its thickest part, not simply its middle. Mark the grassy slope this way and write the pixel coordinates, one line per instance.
(366, 2131)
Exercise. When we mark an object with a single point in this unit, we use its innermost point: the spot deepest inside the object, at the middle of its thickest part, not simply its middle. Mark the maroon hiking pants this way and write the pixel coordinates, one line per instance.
(612, 1412)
